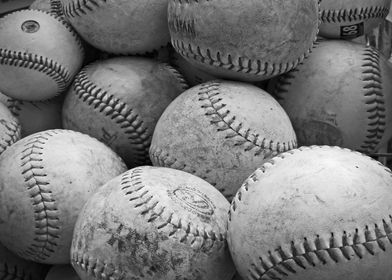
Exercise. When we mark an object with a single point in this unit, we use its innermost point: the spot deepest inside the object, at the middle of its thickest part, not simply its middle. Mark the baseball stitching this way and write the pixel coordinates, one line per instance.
(56, 8)
(180, 78)
(47, 226)
(316, 250)
(224, 120)
(11, 135)
(356, 14)
(81, 7)
(372, 79)
(38, 63)
(14, 106)
(116, 110)
(95, 267)
(141, 197)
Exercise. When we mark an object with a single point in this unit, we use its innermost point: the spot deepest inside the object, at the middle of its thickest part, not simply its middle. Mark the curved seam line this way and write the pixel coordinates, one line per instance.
(117, 111)
(47, 66)
(210, 92)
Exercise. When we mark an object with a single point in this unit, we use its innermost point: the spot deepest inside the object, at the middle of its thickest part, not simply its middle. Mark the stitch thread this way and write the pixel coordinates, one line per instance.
(38, 63)
(356, 14)
(281, 262)
(372, 79)
(11, 135)
(56, 8)
(116, 110)
(225, 121)
(181, 80)
(47, 229)
(241, 64)
(139, 195)
(78, 8)
(96, 268)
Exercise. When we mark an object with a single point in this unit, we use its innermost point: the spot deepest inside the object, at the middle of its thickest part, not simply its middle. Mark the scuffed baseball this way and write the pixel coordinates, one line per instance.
(341, 95)
(243, 40)
(351, 18)
(316, 212)
(45, 179)
(39, 55)
(13, 267)
(62, 272)
(153, 223)
(121, 26)
(221, 131)
(10, 128)
(119, 102)
(35, 116)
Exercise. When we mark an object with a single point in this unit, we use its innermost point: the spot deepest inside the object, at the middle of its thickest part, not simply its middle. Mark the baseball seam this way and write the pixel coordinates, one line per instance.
(355, 14)
(139, 194)
(281, 84)
(281, 262)
(116, 110)
(95, 267)
(81, 7)
(225, 121)
(14, 106)
(11, 135)
(38, 63)
(241, 64)
(56, 8)
(374, 100)
(179, 77)
(47, 226)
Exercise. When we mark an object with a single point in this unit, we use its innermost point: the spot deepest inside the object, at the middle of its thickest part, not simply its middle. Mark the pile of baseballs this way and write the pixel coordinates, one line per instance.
(194, 140)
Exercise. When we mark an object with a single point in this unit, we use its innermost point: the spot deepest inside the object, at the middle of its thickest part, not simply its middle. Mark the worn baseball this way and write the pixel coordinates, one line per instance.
(119, 102)
(35, 116)
(243, 40)
(13, 267)
(121, 26)
(10, 128)
(39, 55)
(341, 95)
(221, 131)
(153, 223)
(316, 212)
(51, 6)
(62, 272)
(45, 179)
(349, 19)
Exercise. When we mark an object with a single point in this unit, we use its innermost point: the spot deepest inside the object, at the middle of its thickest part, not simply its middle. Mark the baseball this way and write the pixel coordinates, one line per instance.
(10, 128)
(14, 268)
(341, 95)
(153, 223)
(45, 179)
(351, 18)
(35, 116)
(119, 102)
(121, 26)
(39, 55)
(221, 131)
(62, 272)
(243, 40)
(316, 212)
